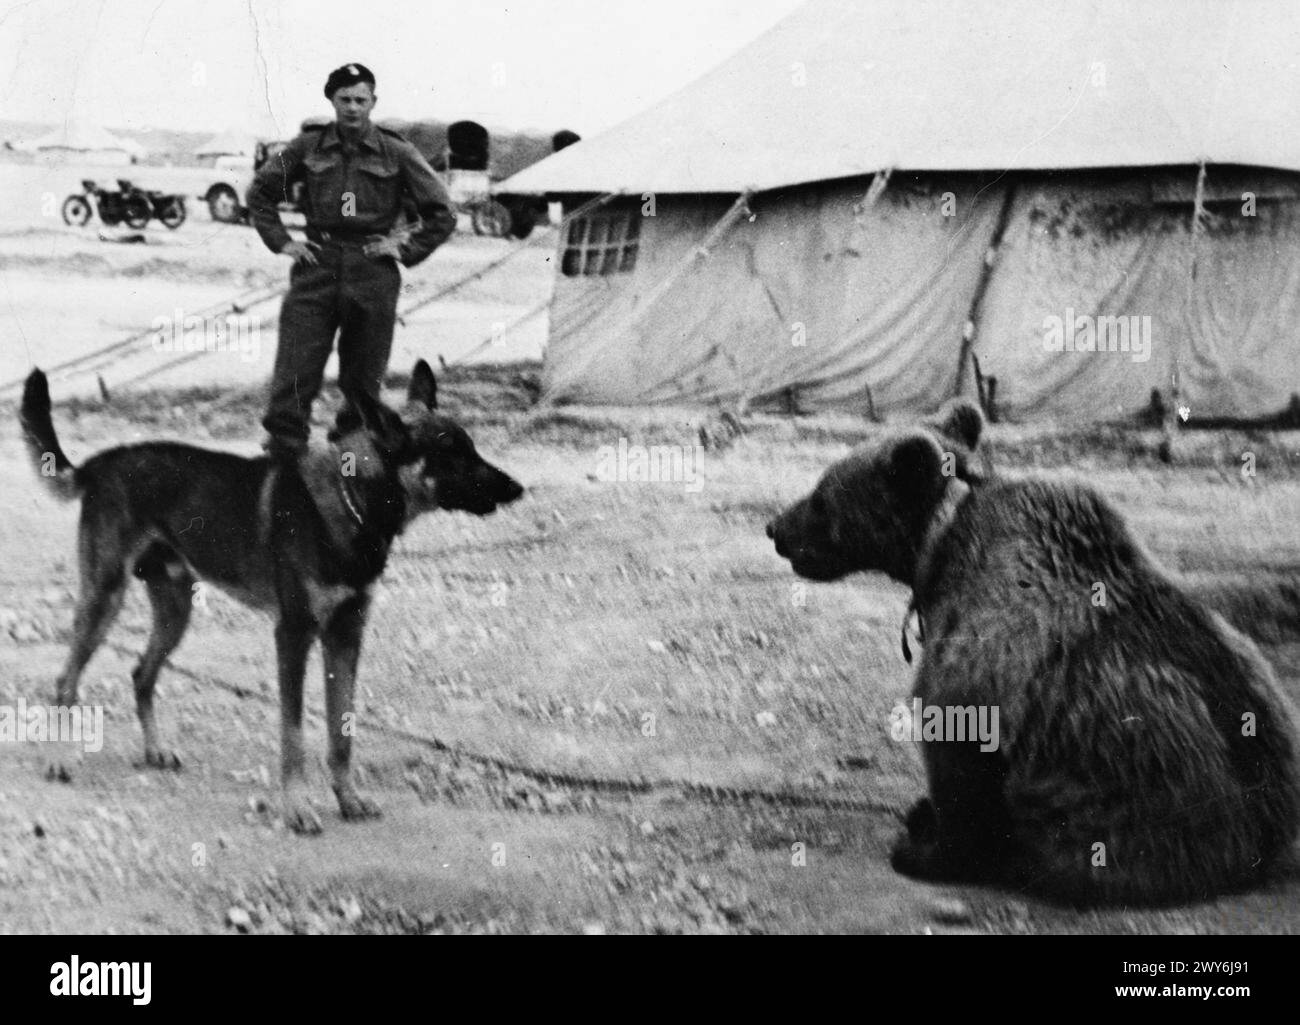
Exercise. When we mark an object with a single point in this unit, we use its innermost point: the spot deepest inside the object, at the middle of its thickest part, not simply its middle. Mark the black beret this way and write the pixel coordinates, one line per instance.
(349, 74)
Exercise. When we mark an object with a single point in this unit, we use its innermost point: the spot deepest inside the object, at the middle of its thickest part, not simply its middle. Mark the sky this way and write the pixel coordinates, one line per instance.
(260, 65)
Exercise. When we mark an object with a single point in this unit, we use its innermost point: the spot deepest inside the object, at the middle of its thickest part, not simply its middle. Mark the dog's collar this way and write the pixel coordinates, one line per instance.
(349, 501)
(954, 495)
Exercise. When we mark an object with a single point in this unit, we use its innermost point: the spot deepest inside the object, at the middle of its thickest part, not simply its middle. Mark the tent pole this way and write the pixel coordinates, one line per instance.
(1175, 408)
(879, 182)
(971, 327)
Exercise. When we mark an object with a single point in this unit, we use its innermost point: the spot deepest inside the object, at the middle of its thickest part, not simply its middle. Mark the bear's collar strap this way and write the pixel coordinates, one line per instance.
(954, 494)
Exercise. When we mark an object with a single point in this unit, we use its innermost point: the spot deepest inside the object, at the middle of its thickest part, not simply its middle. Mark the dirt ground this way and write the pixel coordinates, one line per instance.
(604, 709)
(600, 710)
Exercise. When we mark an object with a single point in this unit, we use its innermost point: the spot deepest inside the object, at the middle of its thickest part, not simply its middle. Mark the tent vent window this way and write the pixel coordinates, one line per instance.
(598, 246)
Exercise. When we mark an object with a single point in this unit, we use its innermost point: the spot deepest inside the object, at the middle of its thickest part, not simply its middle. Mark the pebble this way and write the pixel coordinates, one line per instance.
(239, 918)
(25, 633)
(949, 912)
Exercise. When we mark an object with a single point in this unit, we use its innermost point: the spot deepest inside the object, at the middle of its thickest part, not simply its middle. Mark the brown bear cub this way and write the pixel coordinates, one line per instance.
(1145, 753)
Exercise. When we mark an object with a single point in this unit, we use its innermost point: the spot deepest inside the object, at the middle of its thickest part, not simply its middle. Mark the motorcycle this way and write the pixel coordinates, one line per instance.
(129, 205)
(170, 209)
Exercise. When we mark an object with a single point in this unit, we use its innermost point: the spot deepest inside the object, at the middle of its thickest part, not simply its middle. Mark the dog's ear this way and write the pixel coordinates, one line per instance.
(347, 421)
(383, 425)
(424, 386)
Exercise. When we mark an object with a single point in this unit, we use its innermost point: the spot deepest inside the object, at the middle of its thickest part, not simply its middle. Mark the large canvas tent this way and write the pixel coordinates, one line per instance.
(814, 218)
(231, 143)
(83, 142)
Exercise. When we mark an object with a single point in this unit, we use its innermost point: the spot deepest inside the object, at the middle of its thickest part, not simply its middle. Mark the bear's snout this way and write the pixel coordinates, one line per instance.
(775, 533)
(803, 539)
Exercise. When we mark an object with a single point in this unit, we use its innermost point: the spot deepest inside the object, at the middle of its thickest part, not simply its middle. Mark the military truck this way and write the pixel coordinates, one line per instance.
(461, 152)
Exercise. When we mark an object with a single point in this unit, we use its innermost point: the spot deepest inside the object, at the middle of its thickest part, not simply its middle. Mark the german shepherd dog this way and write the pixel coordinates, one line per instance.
(303, 541)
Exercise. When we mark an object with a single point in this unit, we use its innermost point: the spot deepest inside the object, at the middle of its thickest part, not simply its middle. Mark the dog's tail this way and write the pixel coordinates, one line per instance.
(52, 466)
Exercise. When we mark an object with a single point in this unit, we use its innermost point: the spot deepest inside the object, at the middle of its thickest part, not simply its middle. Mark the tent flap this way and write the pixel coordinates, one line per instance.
(815, 294)
(1098, 260)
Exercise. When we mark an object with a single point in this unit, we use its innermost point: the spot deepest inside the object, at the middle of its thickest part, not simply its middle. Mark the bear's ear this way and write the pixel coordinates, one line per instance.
(962, 421)
(916, 467)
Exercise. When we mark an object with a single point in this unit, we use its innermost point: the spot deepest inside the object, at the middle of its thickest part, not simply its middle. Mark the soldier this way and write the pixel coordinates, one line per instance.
(357, 177)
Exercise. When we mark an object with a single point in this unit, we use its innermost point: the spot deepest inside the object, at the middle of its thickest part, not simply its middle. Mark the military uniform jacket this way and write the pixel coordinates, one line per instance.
(353, 191)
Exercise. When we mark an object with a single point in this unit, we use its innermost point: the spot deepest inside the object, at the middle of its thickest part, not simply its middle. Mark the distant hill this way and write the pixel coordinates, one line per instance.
(511, 151)
(164, 145)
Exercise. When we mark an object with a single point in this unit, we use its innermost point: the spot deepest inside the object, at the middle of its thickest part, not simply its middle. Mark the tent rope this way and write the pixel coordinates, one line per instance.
(98, 359)
(496, 337)
(758, 383)
(738, 209)
(107, 355)
(524, 246)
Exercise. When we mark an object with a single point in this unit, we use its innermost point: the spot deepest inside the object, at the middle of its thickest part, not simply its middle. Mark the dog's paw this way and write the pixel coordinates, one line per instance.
(300, 816)
(61, 761)
(168, 761)
(58, 772)
(355, 807)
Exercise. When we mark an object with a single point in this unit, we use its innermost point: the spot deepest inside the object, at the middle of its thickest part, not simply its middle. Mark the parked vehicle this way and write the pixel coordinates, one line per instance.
(471, 172)
(168, 208)
(224, 196)
(526, 211)
(461, 152)
(127, 205)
